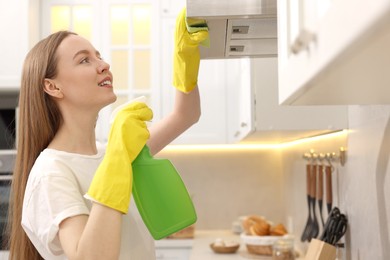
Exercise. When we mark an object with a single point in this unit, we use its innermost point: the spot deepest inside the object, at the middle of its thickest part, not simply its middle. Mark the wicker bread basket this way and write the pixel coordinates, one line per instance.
(259, 250)
(259, 245)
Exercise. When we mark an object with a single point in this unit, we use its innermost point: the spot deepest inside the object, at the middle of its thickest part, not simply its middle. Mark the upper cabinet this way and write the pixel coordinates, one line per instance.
(170, 8)
(19, 28)
(237, 28)
(274, 123)
(334, 52)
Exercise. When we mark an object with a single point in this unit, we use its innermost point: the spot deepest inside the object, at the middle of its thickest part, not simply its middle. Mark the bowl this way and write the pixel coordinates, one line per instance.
(231, 249)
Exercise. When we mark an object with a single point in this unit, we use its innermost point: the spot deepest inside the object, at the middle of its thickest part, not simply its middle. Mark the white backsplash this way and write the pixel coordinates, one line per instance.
(229, 184)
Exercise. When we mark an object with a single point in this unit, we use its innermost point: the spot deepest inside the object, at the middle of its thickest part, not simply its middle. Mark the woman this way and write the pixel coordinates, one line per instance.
(65, 83)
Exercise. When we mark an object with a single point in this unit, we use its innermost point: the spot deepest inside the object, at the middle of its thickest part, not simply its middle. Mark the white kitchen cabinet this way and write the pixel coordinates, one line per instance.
(240, 109)
(172, 254)
(170, 8)
(19, 30)
(275, 123)
(334, 52)
(4, 255)
(173, 249)
(237, 28)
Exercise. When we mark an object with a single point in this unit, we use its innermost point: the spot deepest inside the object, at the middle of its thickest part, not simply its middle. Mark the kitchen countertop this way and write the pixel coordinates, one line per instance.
(203, 238)
(201, 246)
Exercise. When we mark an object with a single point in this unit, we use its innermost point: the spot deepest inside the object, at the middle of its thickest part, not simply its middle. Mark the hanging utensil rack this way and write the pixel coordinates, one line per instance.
(319, 183)
(340, 156)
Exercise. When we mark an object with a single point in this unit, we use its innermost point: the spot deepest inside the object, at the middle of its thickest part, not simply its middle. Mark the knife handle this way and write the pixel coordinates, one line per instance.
(314, 181)
(320, 192)
(329, 196)
(308, 180)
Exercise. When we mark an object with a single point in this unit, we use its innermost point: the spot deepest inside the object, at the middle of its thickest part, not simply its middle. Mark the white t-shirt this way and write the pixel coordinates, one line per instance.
(55, 191)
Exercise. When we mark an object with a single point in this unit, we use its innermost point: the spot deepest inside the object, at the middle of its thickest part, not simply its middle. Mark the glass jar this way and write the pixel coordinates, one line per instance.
(283, 249)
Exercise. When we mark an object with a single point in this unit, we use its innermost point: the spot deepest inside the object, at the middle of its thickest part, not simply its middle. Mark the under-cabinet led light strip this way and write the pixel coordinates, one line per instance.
(251, 146)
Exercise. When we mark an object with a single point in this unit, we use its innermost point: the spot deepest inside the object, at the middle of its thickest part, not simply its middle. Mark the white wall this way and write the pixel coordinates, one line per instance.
(229, 184)
(365, 183)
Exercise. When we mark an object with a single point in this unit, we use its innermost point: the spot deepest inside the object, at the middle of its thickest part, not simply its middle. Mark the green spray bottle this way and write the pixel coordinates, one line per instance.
(161, 196)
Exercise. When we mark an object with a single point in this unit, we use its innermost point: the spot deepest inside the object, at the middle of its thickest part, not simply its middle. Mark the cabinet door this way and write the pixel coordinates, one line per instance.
(212, 126)
(170, 8)
(240, 99)
(298, 54)
(333, 52)
(172, 254)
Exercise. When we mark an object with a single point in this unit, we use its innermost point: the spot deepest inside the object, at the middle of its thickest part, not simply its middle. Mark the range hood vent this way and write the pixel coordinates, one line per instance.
(245, 28)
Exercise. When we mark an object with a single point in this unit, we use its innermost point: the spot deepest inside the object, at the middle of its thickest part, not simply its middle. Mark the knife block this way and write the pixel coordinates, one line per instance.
(319, 250)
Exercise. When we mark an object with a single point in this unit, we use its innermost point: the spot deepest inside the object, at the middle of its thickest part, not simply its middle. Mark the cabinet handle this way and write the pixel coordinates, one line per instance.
(302, 41)
(237, 134)
(237, 48)
(243, 124)
(240, 29)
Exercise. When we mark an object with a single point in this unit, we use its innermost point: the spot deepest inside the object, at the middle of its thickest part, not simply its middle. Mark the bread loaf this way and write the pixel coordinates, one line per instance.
(278, 230)
(258, 226)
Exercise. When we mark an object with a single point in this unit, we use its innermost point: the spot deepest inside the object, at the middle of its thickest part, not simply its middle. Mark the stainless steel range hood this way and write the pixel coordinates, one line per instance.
(245, 28)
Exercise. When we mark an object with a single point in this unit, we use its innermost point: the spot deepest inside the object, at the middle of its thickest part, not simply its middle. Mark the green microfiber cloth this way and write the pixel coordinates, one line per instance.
(196, 25)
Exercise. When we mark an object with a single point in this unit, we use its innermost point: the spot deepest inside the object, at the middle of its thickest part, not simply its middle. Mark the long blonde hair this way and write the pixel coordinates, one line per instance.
(39, 120)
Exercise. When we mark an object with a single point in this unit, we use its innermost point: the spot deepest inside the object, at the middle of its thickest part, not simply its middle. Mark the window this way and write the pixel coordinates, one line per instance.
(77, 18)
(125, 33)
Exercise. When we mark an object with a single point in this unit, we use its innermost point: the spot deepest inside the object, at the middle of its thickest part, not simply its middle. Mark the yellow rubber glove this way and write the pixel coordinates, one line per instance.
(112, 183)
(186, 57)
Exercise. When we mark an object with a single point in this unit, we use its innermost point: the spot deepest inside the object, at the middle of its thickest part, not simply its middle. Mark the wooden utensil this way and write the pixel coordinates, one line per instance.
(307, 229)
(329, 195)
(320, 192)
(315, 227)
